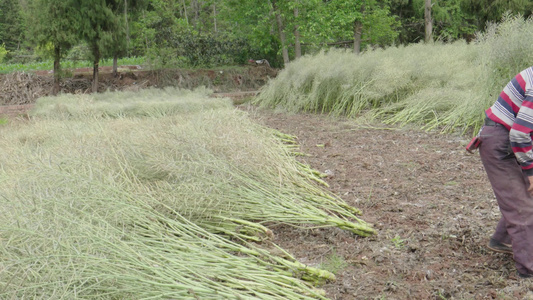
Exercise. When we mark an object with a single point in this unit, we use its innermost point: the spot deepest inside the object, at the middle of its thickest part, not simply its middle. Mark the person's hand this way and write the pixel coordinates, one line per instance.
(530, 188)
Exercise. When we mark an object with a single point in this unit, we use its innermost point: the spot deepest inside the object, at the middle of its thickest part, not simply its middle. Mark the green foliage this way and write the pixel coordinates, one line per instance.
(170, 41)
(412, 29)
(144, 30)
(253, 22)
(68, 64)
(55, 26)
(11, 24)
(451, 23)
(243, 14)
(398, 242)
(200, 50)
(489, 11)
(80, 51)
(45, 51)
(196, 33)
(3, 52)
(379, 27)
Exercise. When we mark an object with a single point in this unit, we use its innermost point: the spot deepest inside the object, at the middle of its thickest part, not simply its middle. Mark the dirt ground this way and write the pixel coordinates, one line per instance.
(429, 199)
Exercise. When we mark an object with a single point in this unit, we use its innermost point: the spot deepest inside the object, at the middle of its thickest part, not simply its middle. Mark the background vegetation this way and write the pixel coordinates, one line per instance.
(473, 47)
(220, 32)
(440, 85)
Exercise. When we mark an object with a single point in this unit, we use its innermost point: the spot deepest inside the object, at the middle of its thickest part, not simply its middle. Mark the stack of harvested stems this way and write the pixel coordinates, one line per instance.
(153, 195)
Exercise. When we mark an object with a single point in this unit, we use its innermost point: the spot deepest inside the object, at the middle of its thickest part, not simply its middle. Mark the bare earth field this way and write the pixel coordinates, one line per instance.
(430, 200)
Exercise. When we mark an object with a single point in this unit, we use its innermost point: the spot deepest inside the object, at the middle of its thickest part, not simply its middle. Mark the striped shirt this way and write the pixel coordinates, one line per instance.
(514, 109)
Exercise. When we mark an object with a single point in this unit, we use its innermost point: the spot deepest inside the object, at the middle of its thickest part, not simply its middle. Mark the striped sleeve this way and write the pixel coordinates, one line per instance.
(520, 134)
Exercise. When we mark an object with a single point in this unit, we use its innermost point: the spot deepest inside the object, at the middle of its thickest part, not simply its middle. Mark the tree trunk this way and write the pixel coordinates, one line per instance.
(428, 21)
(357, 32)
(297, 44)
(127, 25)
(215, 16)
(115, 65)
(284, 50)
(96, 53)
(185, 12)
(196, 14)
(57, 70)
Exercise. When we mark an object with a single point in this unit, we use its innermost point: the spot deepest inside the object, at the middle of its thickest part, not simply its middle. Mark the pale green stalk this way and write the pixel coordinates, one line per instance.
(111, 205)
(437, 86)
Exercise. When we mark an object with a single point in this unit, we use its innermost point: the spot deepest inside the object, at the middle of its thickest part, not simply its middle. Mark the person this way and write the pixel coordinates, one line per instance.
(507, 156)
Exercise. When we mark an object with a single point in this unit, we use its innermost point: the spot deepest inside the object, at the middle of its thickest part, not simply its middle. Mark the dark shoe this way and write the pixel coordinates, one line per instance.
(496, 246)
(524, 275)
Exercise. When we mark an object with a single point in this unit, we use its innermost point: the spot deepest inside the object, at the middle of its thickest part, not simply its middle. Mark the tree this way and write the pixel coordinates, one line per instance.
(252, 20)
(365, 20)
(358, 29)
(485, 11)
(264, 21)
(297, 43)
(11, 24)
(196, 32)
(412, 29)
(281, 31)
(98, 23)
(121, 36)
(55, 24)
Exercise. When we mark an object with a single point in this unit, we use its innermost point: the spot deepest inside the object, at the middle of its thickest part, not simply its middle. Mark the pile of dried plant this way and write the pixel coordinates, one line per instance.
(161, 193)
(23, 88)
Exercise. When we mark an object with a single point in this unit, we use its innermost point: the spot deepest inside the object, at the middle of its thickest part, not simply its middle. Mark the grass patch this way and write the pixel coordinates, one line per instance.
(67, 64)
(334, 263)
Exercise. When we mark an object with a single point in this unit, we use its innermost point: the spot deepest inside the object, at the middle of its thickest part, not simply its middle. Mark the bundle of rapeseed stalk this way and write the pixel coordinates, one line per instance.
(418, 83)
(103, 199)
(436, 85)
